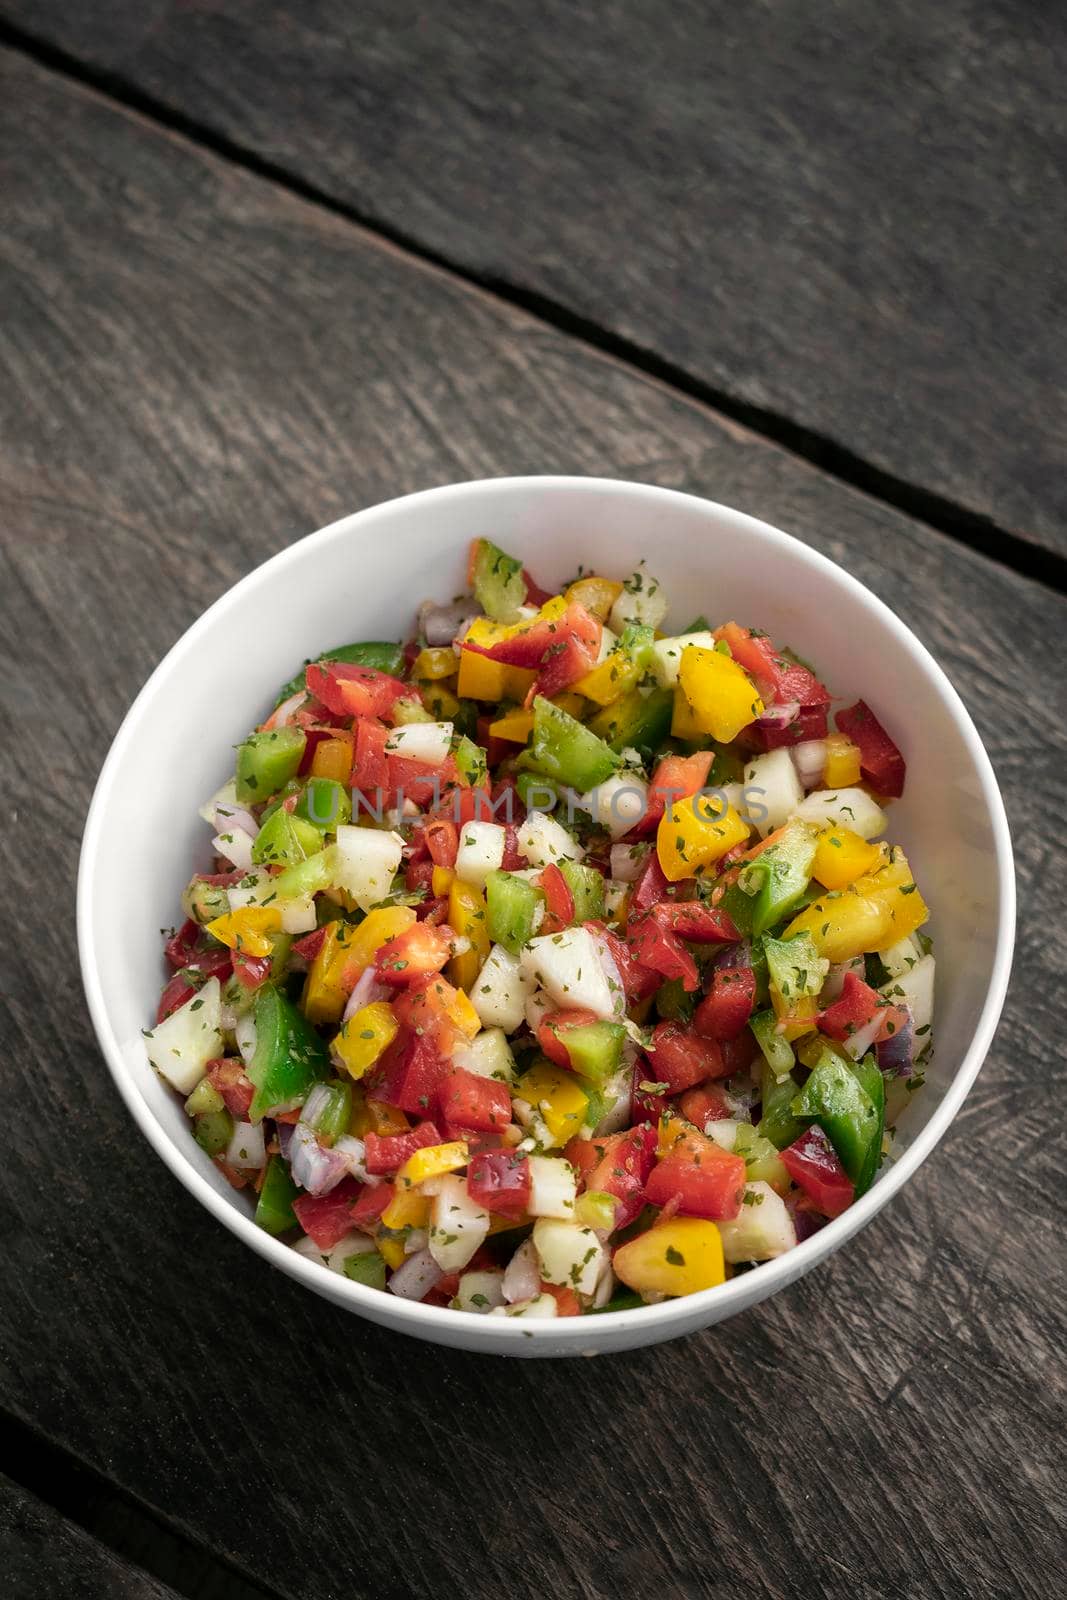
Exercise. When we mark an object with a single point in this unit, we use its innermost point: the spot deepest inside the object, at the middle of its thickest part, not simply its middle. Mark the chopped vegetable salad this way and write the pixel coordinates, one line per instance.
(552, 962)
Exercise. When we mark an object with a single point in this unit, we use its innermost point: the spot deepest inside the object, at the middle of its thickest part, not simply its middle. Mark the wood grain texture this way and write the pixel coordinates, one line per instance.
(45, 1557)
(196, 368)
(846, 213)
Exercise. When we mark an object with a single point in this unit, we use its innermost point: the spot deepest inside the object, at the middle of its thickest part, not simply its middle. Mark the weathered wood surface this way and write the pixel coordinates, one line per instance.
(45, 1557)
(197, 368)
(850, 215)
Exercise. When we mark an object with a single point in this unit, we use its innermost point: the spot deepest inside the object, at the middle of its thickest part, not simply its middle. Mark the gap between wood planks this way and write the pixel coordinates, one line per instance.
(977, 532)
(132, 1531)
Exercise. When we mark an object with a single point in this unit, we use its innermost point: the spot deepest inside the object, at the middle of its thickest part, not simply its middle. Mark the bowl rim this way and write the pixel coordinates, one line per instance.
(413, 1317)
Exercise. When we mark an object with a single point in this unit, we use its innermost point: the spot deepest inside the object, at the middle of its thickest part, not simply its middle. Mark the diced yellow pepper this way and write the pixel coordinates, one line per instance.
(796, 1016)
(722, 696)
(671, 1129)
(460, 1010)
(597, 595)
(441, 881)
(377, 928)
(681, 1256)
(841, 857)
(684, 724)
(246, 930)
(392, 1252)
(407, 1210)
(570, 702)
(440, 701)
(842, 768)
(325, 992)
(364, 1037)
(615, 676)
(875, 912)
(467, 918)
(433, 1161)
(438, 662)
(482, 679)
(556, 1096)
(695, 832)
(515, 725)
(333, 758)
(359, 1122)
(386, 1119)
(502, 1224)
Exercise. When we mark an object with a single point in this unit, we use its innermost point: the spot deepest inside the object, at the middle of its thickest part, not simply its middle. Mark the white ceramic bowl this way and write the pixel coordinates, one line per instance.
(363, 577)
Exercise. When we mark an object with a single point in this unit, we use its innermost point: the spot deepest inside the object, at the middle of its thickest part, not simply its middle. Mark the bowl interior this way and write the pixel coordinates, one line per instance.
(364, 577)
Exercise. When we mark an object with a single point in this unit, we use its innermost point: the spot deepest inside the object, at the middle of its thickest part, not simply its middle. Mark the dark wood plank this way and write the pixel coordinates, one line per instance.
(198, 368)
(45, 1557)
(847, 215)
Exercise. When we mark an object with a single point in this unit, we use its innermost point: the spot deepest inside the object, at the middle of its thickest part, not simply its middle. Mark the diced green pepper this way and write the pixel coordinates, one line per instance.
(289, 1058)
(626, 1300)
(536, 792)
(595, 1049)
(777, 880)
(837, 1100)
(383, 657)
(674, 1003)
(408, 709)
(636, 641)
(586, 885)
(873, 1084)
(367, 1267)
(304, 877)
(204, 1098)
(286, 839)
(325, 803)
(470, 760)
(564, 749)
(333, 1116)
(777, 1123)
(794, 965)
(698, 625)
(266, 761)
(213, 1130)
(640, 720)
(274, 1208)
(499, 586)
(203, 902)
(762, 1164)
(777, 1051)
(511, 909)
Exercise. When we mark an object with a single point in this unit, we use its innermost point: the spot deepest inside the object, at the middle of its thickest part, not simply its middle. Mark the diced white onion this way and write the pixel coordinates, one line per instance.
(848, 808)
(367, 990)
(480, 852)
(542, 1305)
(522, 1275)
(569, 1253)
(353, 1152)
(764, 1229)
(902, 956)
(488, 1055)
(245, 1034)
(667, 655)
(809, 758)
(226, 796)
(311, 1165)
(181, 1046)
(500, 990)
(572, 967)
(772, 780)
(480, 1292)
(235, 846)
(553, 1187)
(643, 600)
(458, 1225)
(618, 803)
(246, 1150)
(543, 840)
(915, 989)
(421, 741)
(367, 862)
(627, 861)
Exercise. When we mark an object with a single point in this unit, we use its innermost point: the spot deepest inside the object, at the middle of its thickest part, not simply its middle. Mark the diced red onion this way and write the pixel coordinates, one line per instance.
(315, 1104)
(805, 1221)
(522, 1276)
(809, 758)
(439, 625)
(895, 1054)
(418, 1239)
(354, 1154)
(415, 1277)
(229, 817)
(285, 1132)
(366, 992)
(779, 716)
(283, 715)
(311, 1166)
(733, 955)
(835, 979)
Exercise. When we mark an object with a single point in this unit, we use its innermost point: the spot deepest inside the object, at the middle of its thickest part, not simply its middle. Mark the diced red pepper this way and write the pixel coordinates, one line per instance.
(327, 1218)
(386, 1152)
(881, 763)
(681, 1058)
(308, 947)
(418, 952)
(560, 652)
(566, 1298)
(814, 1166)
(703, 1180)
(552, 1031)
(654, 946)
(442, 841)
(355, 691)
(675, 778)
(181, 946)
(706, 1104)
(692, 919)
(650, 886)
(514, 860)
(372, 1201)
(409, 1072)
(728, 1005)
(370, 771)
(177, 991)
(809, 723)
(496, 749)
(638, 981)
(251, 972)
(418, 875)
(559, 902)
(228, 1076)
(499, 1180)
(467, 1100)
(856, 1006)
(623, 1171)
(535, 595)
(778, 679)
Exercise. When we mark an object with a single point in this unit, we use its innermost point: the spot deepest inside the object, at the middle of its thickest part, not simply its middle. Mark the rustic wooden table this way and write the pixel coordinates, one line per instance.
(264, 264)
